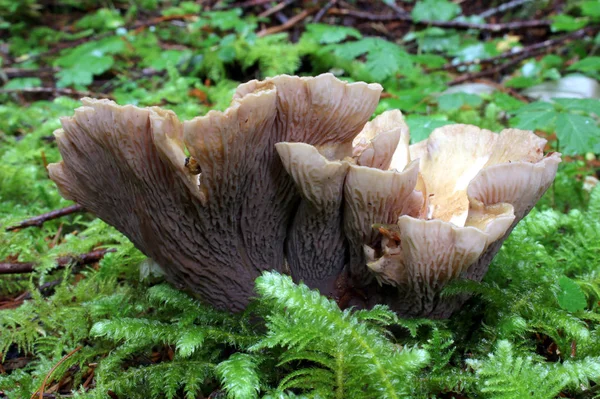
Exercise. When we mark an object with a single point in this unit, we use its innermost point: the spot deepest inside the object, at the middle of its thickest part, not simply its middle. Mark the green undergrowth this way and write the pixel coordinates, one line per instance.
(531, 330)
(115, 330)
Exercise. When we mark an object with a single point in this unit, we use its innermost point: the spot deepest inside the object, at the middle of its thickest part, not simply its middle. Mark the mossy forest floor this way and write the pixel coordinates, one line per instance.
(82, 314)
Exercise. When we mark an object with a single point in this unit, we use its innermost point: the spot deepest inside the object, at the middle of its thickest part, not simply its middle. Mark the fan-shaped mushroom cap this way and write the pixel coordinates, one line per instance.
(214, 220)
(373, 196)
(315, 246)
(478, 186)
(383, 142)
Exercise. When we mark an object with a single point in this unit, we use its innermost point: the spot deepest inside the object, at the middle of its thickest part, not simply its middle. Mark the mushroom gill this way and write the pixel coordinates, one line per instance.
(477, 186)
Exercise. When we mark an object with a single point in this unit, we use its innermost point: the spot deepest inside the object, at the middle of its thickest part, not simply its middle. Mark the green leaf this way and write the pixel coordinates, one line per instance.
(454, 101)
(384, 58)
(83, 74)
(577, 134)
(429, 60)
(590, 8)
(189, 342)
(506, 102)
(103, 19)
(422, 126)
(571, 298)
(328, 34)
(239, 376)
(165, 58)
(588, 105)
(435, 10)
(437, 39)
(23, 83)
(538, 115)
(563, 22)
(588, 64)
(387, 59)
(80, 64)
(521, 82)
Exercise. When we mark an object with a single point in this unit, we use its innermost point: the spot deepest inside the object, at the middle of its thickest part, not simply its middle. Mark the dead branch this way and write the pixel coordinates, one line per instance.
(503, 7)
(399, 10)
(289, 24)
(246, 4)
(531, 50)
(38, 221)
(490, 71)
(272, 10)
(43, 387)
(70, 44)
(521, 56)
(58, 91)
(442, 24)
(12, 73)
(324, 10)
(63, 261)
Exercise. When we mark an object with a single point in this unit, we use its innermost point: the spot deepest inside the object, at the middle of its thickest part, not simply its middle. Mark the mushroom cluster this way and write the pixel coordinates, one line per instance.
(292, 177)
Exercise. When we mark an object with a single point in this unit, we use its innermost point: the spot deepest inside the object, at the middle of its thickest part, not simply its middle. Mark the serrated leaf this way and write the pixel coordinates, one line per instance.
(571, 298)
(591, 8)
(328, 34)
(430, 60)
(577, 134)
(384, 58)
(435, 10)
(538, 115)
(506, 101)
(83, 74)
(563, 22)
(588, 105)
(588, 64)
(422, 126)
(454, 101)
(23, 83)
(351, 50)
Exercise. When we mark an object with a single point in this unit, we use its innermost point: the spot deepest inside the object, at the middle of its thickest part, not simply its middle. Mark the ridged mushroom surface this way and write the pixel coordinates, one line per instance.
(293, 177)
(213, 221)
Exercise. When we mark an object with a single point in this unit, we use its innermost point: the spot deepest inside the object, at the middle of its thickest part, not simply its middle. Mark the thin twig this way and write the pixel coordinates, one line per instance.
(399, 10)
(503, 7)
(508, 90)
(59, 91)
(12, 73)
(272, 10)
(245, 4)
(490, 71)
(64, 359)
(531, 50)
(137, 26)
(324, 10)
(38, 221)
(442, 24)
(63, 261)
(289, 24)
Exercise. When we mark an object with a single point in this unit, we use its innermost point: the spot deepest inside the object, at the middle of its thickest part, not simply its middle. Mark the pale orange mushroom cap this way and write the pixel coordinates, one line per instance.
(477, 186)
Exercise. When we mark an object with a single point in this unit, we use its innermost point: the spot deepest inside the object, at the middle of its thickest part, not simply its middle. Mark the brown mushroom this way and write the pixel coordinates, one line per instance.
(315, 245)
(216, 219)
(293, 171)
